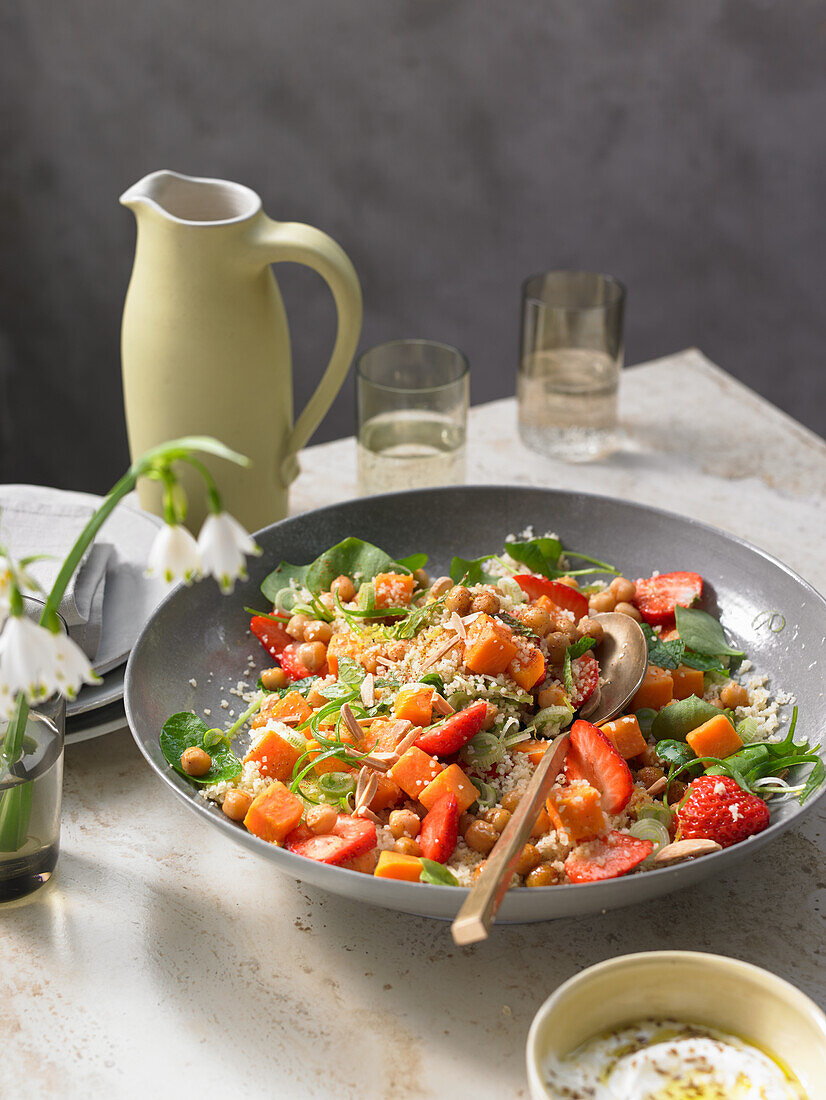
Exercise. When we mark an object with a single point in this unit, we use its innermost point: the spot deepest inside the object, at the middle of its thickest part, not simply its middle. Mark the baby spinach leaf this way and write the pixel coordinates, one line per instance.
(677, 753)
(676, 720)
(660, 653)
(186, 730)
(645, 719)
(702, 633)
(437, 874)
(539, 555)
(282, 577)
(433, 679)
(412, 562)
(470, 571)
(351, 558)
(705, 664)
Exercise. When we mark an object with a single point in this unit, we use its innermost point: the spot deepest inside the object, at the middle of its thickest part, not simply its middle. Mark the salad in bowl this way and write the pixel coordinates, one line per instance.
(402, 716)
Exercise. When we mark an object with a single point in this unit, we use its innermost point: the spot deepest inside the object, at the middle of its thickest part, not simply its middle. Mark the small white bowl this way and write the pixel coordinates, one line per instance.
(685, 985)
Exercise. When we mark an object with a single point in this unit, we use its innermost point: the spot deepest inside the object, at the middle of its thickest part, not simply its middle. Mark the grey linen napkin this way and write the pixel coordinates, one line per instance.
(43, 522)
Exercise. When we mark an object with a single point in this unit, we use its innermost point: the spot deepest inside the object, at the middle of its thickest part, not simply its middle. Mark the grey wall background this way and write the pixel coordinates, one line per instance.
(451, 146)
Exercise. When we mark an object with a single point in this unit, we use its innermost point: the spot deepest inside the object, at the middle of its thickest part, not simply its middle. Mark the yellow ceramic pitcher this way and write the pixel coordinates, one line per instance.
(205, 342)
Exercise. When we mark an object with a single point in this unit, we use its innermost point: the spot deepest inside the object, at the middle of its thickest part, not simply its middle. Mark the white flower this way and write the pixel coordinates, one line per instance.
(71, 666)
(6, 579)
(223, 544)
(27, 662)
(174, 555)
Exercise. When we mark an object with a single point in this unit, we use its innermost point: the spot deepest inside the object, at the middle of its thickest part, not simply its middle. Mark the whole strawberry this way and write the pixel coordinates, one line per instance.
(717, 808)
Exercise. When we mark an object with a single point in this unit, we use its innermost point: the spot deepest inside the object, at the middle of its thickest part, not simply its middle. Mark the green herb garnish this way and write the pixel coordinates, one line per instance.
(437, 874)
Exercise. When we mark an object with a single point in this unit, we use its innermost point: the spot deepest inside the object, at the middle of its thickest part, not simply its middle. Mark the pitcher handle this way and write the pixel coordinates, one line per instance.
(292, 242)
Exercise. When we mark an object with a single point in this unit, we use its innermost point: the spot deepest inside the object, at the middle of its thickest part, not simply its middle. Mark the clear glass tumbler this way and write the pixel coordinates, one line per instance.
(31, 789)
(412, 401)
(570, 356)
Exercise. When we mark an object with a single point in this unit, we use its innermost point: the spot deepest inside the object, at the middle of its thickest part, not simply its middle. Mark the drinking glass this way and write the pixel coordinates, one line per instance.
(31, 788)
(570, 355)
(412, 400)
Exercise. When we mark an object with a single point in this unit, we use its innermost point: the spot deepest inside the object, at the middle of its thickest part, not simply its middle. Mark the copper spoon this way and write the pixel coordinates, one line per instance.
(623, 658)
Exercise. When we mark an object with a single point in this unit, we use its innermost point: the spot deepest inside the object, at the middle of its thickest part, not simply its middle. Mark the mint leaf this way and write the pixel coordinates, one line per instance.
(186, 730)
(580, 647)
(567, 673)
(516, 626)
(675, 752)
(437, 874)
(660, 653)
(702, 633)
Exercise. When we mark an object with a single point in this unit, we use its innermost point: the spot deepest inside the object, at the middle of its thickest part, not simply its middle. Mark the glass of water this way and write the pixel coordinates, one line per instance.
(570, 356)
(412, 401)
(31, 788)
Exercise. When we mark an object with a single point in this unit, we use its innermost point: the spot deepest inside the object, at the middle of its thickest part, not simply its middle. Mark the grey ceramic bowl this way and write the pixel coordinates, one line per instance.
(199, 634)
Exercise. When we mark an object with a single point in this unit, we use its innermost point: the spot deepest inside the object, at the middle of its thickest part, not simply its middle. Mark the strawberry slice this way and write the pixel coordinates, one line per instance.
(570, 599)
(592, 757)
(656, 597)
(272, 636)
(585, 673)
(350, 837)
(717, 808)
(608, 857)
(449, 736)
(440, 829)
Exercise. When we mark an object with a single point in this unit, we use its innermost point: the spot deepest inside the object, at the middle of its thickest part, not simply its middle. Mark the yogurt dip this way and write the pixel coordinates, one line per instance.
(668, 1060)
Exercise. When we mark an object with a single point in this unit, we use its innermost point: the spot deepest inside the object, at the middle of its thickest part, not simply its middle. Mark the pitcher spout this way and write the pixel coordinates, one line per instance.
(192, 200)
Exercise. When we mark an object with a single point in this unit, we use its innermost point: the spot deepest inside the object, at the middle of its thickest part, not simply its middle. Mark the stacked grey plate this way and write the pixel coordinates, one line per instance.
(130, 597)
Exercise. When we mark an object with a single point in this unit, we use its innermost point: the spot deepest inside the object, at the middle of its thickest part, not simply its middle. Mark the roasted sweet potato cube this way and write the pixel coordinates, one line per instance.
(626, 736)
(415, 704)
(490, 647)
(451, 781)
(393, 589)
(274, 813)
(399, 866)
(274, 754)
(414, 770)
(687, 681)
(578, 810)
(528, 668)
(656, 690)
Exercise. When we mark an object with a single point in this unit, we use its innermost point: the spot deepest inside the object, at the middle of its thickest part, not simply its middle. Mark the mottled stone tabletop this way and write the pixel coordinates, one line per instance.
(164, 960)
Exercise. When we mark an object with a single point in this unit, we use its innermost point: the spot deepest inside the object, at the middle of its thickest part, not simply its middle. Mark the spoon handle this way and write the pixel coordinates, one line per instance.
(474, 919)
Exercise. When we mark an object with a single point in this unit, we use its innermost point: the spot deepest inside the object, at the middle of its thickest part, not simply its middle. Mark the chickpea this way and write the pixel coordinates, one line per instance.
(321, 819)
(511, 800)
(623, 608)
(459, 600)
(465, 822)
(649, 775)
(486, 602)
(602, 601)
(491, 712)
(407, 846)
(529, 858)
(544, 874)
(557, 643)
(328, 600)
(571, 582)
(195, 761)
(734, 695)
(344, 588)
(421, 578)
(622, 589)
(404, 823)
(235, 804)
(498, 817)
(318, 632)
(553, 696)
(440, 586)
(274, 678)
(564, 624)
(590, 628)
(296, 627)
(481, 837)
(312, 655)
(537, 619)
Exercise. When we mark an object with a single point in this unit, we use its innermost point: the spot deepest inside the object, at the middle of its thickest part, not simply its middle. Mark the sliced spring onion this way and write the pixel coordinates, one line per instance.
(367, 596)
(336, 784)
(645, 717)
(748, 730)
(558, 716)
(649, 829)
(773, 784)
(296, 739)
(655, 812)
(511, 589)
(487, 795)
(484, 749)
(511, 739)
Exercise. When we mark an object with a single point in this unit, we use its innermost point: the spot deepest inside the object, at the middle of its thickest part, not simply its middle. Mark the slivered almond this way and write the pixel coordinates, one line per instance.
(408, 739)
(455, 623)
(441, 651)
(658, 786)
(385, 661)
(350, 722)
(685, 849)
(441, 705)
(380, 761)
(468, 619)
(369, 815)
(368, 690)
(366, 787)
